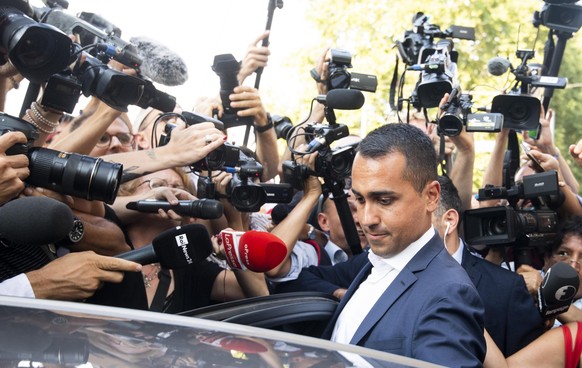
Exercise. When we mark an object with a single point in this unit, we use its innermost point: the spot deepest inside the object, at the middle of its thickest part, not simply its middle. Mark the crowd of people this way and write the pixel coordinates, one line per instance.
(411, 285)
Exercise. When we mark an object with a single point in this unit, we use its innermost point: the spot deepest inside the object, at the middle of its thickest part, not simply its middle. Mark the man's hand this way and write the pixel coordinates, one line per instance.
(248, 101)
(532, 277)
(76, 276)
(13, 169)
(256, 57)
(192, 144)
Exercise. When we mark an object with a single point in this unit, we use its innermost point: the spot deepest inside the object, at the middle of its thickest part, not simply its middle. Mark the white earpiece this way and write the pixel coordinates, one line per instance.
(446, 232)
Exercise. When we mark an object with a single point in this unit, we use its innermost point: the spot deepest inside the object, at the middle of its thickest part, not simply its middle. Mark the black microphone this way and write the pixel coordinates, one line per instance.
(160, 64)
(342, 99)
(179, 247)
(35, 221)
(498, 66)
(201, 208)
(558, 289)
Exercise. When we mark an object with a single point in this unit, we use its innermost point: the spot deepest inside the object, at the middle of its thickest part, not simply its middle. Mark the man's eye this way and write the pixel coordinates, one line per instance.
(385, 201)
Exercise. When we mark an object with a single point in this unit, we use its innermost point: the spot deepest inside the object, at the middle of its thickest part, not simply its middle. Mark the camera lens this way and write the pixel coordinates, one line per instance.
(73, 174)
(36, 50)
(248, 197)
(338, 79)
(496, 226)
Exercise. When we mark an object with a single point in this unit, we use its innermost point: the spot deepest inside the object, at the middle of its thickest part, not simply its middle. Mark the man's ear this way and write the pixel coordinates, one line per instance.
(323, 222)
(452, 217)
(141, 142)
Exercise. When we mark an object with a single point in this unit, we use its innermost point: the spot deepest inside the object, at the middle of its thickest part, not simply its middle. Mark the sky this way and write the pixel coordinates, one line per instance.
(199, 30)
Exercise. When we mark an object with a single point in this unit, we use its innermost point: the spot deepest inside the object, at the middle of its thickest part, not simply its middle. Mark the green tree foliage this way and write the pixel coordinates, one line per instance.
(369, 29)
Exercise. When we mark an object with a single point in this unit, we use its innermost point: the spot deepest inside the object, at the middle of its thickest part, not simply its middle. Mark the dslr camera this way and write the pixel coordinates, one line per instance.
(65, 173)
(227, 68)
(339, 76)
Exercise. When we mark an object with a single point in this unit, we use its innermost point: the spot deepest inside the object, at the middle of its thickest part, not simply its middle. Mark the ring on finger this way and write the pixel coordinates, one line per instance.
(207, 139)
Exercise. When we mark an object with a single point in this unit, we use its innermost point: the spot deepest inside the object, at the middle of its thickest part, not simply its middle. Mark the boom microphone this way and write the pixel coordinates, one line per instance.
(559, 286)
(35, 221)
(257, 251)
(178, 247)
(498, 66)
(342, 99)
(160, 64)
(202, 208)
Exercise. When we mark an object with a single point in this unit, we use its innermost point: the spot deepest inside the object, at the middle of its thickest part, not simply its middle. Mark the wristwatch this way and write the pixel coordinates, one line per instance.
(311, 232)
(75, 235)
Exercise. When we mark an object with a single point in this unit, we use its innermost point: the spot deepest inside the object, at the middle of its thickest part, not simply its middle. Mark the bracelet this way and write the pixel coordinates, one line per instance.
(35, 110)
(31, 120)
(264, 128)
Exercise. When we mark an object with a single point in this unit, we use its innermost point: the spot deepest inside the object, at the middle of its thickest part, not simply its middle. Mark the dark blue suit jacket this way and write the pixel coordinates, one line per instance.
(511, 317)
(431, 311)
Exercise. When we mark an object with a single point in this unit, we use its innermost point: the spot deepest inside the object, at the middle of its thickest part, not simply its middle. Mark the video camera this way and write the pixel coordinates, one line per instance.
(437, 62)
(339, 76)
(331, 164)
(560, 15)
(457, 113)
(242, 191)
(36, 50)
(523, 227)
(65, 173)
(520, 110)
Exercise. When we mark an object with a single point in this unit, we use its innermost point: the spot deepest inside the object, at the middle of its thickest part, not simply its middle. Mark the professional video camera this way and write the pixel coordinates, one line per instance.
(36, 50)
(242, 191)
(528, 224)
(93, 77)
(560, 15)
(521, 110)
(339, 76)
(66, 173)
(331, 164)
(227, 68)
(457, 113)
(437, 61)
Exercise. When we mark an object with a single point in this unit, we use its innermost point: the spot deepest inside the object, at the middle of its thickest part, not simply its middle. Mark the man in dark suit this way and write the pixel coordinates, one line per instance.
(408, 295)
(511, 317)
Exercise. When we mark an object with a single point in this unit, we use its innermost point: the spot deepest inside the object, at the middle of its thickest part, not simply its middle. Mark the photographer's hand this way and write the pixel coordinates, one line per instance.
(191, 144)
(14, 168)
(256, 57)
(208, 105)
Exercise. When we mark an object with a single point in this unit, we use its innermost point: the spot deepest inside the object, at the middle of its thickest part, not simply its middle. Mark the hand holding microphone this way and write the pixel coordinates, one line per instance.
(558, 289)
(257, 251)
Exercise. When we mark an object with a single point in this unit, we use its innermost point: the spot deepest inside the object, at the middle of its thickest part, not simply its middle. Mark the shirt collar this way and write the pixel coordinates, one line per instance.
(400, 260)
(458, 255)
(336, 254)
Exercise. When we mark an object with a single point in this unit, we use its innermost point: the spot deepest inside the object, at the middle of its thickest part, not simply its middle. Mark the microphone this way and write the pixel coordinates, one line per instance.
(202, 208)
(342, 99)
(558, 289)
(35, 221)
(498, 66)
(160, 64)
(179, 247)
(257, 251)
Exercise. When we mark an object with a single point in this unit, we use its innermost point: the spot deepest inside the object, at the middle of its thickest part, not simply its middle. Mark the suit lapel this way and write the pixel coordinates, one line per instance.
(405, 279)
(468, 263)
(402, 282)
(360, 277)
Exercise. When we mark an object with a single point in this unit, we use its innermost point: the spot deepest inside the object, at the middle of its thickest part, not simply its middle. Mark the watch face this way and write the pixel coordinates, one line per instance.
(77, 232)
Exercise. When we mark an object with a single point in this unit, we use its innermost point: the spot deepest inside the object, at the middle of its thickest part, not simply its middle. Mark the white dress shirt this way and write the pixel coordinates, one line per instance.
(17, 286)
(336, 254)
(384, 271)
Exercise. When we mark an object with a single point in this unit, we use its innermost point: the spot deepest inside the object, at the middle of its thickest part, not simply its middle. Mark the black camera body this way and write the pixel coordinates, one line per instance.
(563, 16)
(36, 50)
(505, 225)
(227, 68)
(66, 173)
(242, 192)
(339, 76)
(283, 126)
(457, 114)
(437, 76)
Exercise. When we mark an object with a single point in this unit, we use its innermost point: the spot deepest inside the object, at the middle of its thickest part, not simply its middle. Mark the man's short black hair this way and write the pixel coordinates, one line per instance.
(412, 143)
(569, 227)
(449, 197)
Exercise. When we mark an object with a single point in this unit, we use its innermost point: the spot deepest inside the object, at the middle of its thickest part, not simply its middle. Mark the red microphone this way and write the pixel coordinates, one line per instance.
(257, 251)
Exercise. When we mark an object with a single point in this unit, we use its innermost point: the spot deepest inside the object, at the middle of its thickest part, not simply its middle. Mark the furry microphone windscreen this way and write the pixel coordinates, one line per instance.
(160, 64)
